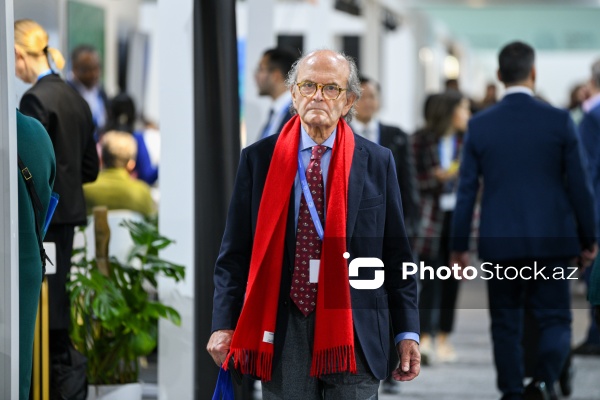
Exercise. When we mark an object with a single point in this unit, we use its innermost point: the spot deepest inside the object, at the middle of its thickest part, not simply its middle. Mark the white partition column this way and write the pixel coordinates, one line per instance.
(9, 266)
(176, 213)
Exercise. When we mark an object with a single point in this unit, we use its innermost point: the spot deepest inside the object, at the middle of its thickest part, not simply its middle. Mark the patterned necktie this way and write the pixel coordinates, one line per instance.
(308, 243)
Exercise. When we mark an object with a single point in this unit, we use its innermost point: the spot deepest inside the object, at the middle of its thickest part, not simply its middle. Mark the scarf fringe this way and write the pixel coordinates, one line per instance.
(252, 362)
(333, 360)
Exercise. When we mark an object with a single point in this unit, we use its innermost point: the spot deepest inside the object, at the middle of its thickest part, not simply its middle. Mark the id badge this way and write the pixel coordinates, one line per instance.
(448, 201)
(50, 248)
(313, 268)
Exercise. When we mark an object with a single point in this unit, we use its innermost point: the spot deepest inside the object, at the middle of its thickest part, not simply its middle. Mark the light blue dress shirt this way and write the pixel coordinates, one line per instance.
(306, 145)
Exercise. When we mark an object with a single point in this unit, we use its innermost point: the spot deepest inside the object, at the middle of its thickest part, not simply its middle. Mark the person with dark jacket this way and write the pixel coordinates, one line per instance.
(35, 150)
(537, 211)
(68, 120)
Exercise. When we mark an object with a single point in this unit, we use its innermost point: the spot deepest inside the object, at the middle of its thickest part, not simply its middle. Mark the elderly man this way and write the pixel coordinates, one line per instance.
(284, 310)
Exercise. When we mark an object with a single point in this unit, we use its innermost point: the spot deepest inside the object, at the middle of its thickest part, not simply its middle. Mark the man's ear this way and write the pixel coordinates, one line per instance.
(130, 165)
(499, 75)
(18, 54)
(533, 74)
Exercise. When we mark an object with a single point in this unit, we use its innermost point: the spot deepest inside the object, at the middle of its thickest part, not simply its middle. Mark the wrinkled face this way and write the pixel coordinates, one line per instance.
(461, 115)
(322, 67)
(368, 104)
(263, 77)
(87, 69)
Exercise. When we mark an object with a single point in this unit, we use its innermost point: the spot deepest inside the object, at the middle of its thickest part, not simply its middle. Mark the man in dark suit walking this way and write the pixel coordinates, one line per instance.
(270, 77)
(537, 211)
(284, 308)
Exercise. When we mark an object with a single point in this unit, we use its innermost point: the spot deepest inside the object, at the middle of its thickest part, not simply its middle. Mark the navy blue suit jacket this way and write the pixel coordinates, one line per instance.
(375, 228)
(537, 202)
(589, 129)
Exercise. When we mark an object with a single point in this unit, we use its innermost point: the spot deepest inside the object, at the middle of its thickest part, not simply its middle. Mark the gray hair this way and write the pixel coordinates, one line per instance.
(353, 84)
(596, 73)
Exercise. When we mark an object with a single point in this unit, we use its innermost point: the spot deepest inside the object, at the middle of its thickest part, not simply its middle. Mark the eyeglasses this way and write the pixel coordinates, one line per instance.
(330, 91)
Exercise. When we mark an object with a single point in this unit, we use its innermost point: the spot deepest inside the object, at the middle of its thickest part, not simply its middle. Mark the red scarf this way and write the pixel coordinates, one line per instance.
(333, 347)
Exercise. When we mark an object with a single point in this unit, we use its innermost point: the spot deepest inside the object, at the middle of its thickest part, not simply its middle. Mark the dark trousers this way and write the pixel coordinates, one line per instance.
(437, 298)
(291, 378)
(59, 304)
(548, 301)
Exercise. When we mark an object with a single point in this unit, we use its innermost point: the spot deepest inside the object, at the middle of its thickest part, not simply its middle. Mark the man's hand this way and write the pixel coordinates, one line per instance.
(410, 361)
(587, 256)
(218, 345)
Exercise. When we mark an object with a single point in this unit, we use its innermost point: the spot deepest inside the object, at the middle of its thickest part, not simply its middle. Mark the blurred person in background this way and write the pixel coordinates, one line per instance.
(36, 152)
(270, 76)
(85, 78)
(68, 121)
(490, 98)
(368, 126)
(534, 210)
(579, 94)
(589, 130)
(437, 149)
(115, 188)
(123, 119)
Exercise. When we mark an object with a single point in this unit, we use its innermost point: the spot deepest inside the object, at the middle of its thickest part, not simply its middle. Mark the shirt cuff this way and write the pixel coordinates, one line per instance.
(406, 335)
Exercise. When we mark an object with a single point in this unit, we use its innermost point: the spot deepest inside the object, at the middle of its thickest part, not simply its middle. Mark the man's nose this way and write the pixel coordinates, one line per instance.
(318, 96)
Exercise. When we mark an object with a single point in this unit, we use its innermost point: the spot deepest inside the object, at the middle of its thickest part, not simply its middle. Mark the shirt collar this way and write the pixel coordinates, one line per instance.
(518, 89)
(43, 74)
(591, 103)
(371, 126)
(306, 141)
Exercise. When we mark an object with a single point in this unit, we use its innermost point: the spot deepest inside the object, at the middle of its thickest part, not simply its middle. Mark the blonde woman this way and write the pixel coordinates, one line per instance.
(68, 121)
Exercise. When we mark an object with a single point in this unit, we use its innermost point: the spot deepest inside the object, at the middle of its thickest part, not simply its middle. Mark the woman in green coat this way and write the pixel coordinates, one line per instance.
(36, 151)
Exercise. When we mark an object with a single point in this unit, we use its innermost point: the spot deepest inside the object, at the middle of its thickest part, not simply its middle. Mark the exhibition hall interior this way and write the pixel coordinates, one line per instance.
(178, 88)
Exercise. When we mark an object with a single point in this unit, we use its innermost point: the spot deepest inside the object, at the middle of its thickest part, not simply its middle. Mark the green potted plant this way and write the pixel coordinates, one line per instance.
(114, 319)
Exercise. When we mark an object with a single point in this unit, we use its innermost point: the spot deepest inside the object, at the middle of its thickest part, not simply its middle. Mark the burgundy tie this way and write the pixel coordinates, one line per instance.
(308, 243)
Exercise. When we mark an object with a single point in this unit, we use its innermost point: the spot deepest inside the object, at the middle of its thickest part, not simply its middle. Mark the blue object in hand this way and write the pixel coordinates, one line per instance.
(51, 208)
(224, 388)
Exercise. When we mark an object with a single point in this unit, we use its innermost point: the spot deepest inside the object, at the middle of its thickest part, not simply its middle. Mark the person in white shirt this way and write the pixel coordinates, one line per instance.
(270, 78)
(85, 78)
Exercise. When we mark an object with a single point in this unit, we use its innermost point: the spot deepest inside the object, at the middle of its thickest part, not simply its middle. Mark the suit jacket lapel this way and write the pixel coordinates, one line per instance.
(355, 187)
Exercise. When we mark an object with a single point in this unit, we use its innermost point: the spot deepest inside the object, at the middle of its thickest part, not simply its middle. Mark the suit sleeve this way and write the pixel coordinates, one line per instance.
(90, 164)
(402, 292)
(32, 106)
(233, 263)
(468, 187)
(578, 186)
(408, 186)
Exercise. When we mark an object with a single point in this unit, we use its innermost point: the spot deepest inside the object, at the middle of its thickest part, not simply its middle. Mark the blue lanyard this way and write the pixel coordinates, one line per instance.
(441, 150)
(308, 196)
